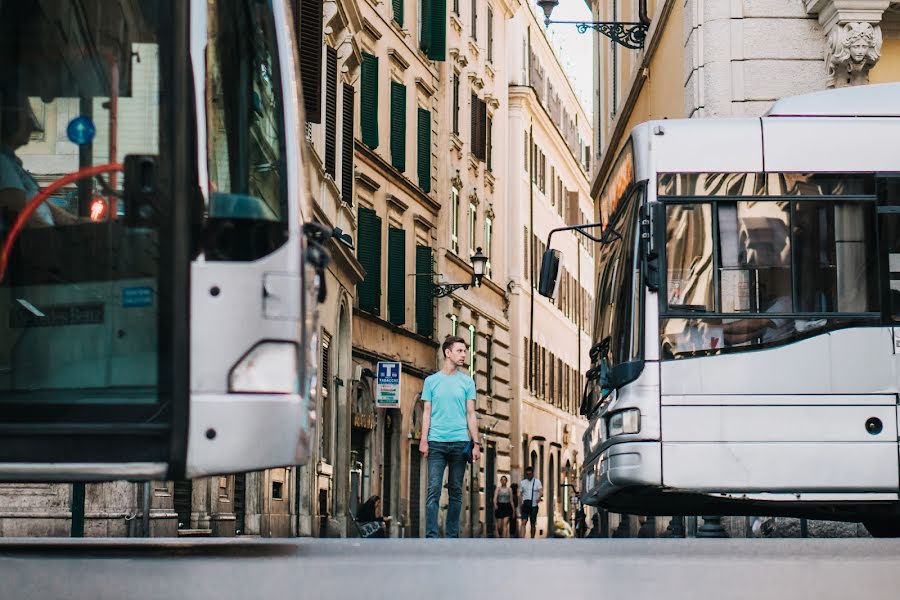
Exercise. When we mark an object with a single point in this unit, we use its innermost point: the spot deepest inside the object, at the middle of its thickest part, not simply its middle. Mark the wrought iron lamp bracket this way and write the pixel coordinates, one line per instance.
(442, 290)
(630, 35)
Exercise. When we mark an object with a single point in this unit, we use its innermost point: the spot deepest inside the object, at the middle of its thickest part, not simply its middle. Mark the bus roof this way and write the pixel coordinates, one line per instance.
(877, 100)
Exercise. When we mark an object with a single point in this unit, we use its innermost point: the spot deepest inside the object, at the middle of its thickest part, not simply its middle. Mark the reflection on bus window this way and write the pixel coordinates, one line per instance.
(618, 314)
(710, 184)
(819, 184)
(784, 268)
(755, 256)
(248, 199)
(684, 337)
(771, 184)
(689, 256)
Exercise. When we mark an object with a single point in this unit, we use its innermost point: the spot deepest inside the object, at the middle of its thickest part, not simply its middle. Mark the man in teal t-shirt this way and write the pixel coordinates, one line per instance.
(448, 425)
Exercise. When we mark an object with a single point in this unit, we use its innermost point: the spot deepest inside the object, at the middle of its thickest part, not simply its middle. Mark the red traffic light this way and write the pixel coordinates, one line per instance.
(98, 208)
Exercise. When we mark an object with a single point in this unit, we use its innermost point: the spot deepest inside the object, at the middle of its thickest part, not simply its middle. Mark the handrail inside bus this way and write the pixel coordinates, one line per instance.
(42, 197)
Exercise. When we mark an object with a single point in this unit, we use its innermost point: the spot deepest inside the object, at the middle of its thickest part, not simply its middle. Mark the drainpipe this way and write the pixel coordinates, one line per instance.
(642, 12)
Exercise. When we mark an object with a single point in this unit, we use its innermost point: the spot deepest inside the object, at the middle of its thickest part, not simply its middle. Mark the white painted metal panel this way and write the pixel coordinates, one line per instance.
(241, 422)
(809, 144)
(783, 400)
(876, 100)
(847, 361)
(781, 467)
(706, 145)
(776, 423)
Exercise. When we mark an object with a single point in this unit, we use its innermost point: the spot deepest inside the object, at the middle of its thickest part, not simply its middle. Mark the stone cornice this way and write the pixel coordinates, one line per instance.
(831, 12)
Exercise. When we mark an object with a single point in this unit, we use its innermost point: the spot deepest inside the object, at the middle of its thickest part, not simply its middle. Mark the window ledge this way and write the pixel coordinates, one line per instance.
(489, 69)
(456, 145)
(474, 49)
(455, 22)
(489, 179)
(474, 163)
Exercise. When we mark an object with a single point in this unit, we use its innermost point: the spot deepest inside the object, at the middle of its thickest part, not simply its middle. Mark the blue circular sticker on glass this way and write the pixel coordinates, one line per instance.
(81, 130)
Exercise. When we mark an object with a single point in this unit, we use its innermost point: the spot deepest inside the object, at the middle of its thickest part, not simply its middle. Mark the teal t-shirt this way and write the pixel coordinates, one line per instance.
(448, 395)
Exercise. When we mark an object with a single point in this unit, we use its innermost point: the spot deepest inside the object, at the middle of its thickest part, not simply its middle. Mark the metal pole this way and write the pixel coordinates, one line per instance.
(145, 510)
(77, 530)
(804, 528)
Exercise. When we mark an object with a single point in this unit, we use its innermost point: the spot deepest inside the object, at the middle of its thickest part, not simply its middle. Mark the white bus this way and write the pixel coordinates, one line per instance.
(158, 295)
(747, 334)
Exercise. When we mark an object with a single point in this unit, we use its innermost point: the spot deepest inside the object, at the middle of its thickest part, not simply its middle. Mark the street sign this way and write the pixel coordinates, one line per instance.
(387, 385)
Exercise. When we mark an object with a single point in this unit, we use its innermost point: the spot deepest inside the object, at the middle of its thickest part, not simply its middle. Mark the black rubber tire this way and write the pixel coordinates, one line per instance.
(888, 527)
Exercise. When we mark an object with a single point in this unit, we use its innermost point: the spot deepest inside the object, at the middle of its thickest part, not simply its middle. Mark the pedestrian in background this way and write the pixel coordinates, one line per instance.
(449, 429)
(532, 492)
(514, 521)
(503, 507)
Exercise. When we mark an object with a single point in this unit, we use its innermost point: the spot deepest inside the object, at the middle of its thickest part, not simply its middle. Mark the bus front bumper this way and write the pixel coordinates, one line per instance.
(623, 465)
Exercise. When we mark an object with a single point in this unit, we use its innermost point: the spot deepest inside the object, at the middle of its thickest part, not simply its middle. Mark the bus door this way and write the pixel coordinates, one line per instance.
(88, 330)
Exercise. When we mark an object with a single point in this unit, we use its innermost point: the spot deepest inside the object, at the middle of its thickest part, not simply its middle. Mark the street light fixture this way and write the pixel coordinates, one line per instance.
(479, 264)
(628, 34)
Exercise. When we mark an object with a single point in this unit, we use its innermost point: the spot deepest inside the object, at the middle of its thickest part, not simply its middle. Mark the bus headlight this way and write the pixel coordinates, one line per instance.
(624, 422)
(269, 368)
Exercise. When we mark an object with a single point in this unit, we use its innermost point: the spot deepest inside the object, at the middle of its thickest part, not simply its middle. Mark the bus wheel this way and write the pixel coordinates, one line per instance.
(883, 527)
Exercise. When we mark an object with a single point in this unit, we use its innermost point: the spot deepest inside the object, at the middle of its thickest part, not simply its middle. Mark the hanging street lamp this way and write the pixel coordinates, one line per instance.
(629, 34)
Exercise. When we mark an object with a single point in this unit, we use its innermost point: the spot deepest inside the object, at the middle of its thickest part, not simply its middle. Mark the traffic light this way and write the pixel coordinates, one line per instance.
(99, 209)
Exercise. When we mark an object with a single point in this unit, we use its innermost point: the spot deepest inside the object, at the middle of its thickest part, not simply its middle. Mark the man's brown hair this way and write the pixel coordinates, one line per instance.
(450, 341)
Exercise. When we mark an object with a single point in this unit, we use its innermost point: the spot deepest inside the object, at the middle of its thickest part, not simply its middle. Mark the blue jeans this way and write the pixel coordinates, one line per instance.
(440, 456)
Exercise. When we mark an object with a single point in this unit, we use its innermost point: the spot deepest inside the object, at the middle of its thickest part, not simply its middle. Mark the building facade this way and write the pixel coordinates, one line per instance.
(547, 166)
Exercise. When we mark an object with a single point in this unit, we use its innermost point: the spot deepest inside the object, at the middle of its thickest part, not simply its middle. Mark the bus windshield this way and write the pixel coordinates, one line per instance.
(80, 302)
(617, 324)
(757, 260)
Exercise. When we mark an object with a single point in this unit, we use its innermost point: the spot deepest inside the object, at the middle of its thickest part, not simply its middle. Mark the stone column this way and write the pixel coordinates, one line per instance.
(853, 32)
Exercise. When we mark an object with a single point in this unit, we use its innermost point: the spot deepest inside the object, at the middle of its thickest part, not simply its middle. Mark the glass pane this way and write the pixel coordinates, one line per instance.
(694, 337)
(689, 257)
(79, 87)
(890, 240)
(710, 184)
(248, 200)
(755, 256)
(820, 184)
(835, 261)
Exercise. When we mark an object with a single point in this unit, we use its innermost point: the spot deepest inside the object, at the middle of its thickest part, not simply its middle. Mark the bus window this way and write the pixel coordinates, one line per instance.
(86, 301)
(786, 269)
(755, 257)
(689, 256)
(245, 134)
(619, 306)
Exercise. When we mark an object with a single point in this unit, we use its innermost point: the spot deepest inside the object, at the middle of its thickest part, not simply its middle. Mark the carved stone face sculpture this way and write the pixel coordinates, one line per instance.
(858, 50)
(853, 49)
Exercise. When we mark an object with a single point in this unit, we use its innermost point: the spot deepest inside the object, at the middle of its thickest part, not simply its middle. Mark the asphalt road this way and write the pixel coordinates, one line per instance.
(692, 569)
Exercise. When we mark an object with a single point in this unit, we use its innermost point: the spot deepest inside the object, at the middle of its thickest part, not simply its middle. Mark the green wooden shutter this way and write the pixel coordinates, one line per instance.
(369, 254)
(424, 291)
(424, 149)
(331, 74)
(368, 101)
(347, 137)
(396, 276)
(437, 14)
(425, 26)
(433, 36)
(398, 126)
(398, 12)
(308, 26)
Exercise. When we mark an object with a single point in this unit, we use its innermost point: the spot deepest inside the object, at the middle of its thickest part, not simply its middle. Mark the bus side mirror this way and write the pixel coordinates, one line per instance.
(547, 286)
(652, 219)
